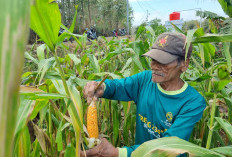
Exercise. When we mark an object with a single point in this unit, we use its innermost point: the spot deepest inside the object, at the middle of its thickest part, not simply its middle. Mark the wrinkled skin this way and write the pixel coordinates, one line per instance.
(89, 92)
(104, 149)
(168, 75)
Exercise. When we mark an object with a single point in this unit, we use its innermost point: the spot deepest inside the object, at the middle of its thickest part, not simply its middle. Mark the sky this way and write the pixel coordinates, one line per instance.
(162, 8)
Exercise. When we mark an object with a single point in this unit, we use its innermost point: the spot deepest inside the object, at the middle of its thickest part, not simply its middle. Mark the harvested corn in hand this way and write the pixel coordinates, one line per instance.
(92, 124)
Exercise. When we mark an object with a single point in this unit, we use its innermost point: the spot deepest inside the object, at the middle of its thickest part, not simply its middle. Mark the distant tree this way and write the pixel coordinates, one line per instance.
(226, 6)
(156, 26)
(193, 24)
(105, 15)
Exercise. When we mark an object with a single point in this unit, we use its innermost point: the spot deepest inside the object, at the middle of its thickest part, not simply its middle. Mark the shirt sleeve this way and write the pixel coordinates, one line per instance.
(185, 121)
(126, 89)
(126, 151)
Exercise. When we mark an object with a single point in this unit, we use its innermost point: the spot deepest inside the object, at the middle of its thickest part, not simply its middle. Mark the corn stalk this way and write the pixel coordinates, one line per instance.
(14, 16)
(46, 22)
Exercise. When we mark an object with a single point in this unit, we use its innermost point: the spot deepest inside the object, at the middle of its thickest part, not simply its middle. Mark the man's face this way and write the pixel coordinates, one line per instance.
(162, 73)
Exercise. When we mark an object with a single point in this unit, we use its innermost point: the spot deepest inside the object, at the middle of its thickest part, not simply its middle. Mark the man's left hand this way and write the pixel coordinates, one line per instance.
(104, 149)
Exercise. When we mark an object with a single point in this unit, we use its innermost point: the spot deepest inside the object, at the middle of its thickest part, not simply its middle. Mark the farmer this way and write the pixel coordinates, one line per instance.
(166, 105)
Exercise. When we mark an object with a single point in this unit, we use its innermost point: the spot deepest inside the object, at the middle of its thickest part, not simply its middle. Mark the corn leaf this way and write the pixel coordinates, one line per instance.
(189, 38)
(213, 38)
(76, 113)
(28, 56)
(40, 51)
(23, 116)
(226, 126)
(227, 150)
(74, 58)
(23, 146)
(44, 65)
(226, 52)
(14, 17)
(39, 105)
(71, 29)
(36, 149)
(46, 21)
(59, 138)
(116, 121)
(69, 151)
(171, 147)
(94, 63)
(114, 76)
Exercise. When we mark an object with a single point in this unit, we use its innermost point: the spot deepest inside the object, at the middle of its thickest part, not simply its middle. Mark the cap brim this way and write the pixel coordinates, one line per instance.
(161, 56)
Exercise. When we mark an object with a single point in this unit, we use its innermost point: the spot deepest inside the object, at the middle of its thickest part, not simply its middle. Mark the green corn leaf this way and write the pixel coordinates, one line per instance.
(80, 82)
(219, 85)
(226, 6)
(76, 113)
(114, 76)
(49, 96)
(213, 38)
(69, 151)
(226, 126)
(189, 38)
(202, 54)
(59, 138)
(94, 63)
(227, 150)
(140, 31)
(36, 149)
(28, 56)
(110, 55)
(23, 116)
(71, 29)
(138, 47)
(199, 32)
(74, 108)
(40, 51)
(44, 65)
(116, 121)
(226, 48)
(150, 29)
(23, 146)
(171, 147)
(177, 28)
(46, 21)
(137, 62)
(76, 60)
(128, 62)
(39, 105)
(65, 126)
(14, 30)
(62, 37)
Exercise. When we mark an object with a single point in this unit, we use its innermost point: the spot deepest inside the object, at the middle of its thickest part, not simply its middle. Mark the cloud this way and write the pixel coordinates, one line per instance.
(140, 17)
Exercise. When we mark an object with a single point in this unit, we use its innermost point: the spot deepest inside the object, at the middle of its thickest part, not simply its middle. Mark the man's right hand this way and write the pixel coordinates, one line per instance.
(89, 91)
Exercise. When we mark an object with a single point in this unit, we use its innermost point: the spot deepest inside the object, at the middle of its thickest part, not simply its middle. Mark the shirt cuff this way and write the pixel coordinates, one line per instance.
(122, 152)
(104, 86)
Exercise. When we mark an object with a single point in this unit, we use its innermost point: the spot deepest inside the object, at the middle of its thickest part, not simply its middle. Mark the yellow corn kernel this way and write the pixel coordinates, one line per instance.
(92, 124)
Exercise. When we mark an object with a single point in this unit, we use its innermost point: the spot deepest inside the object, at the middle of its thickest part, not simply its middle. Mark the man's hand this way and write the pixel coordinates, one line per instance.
(89, 92)
(104, 149)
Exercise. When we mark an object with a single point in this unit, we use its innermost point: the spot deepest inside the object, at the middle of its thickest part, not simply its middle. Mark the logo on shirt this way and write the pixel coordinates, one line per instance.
(169, 116)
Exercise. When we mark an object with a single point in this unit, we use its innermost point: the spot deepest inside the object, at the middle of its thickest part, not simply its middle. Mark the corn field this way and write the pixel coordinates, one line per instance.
(42, 108)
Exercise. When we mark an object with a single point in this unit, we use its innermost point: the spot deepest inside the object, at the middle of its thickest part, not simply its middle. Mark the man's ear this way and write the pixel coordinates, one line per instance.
(184, 65)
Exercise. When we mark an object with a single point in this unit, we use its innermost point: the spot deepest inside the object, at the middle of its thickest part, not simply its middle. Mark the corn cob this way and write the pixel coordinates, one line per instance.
(92, 124)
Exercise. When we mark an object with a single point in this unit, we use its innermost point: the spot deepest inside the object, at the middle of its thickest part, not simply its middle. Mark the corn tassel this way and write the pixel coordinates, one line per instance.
(92, 123)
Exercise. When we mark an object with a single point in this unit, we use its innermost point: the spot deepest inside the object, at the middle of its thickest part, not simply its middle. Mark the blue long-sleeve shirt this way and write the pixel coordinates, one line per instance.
(159, 113)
